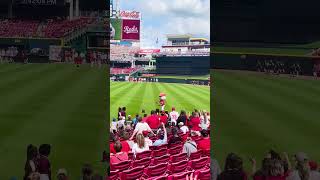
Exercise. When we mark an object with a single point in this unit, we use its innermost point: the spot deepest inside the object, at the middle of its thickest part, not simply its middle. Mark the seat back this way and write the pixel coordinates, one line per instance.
(178, 157)
(157, 170)
(130, 155)
(195, 155)
(159, 152)
(113, 175)
(178, 167)
(132, 174)
(175, 150)
(198, 164)
(145, 162)
(206, 152)
(143, 154)
(204, 174)
(124, 165)
(161, 159)
(180, 176)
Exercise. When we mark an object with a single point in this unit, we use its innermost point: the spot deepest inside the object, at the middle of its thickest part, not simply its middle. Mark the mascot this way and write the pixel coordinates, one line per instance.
(162, 100)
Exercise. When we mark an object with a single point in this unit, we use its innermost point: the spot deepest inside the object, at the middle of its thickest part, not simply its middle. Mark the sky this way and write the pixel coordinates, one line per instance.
(161, 17)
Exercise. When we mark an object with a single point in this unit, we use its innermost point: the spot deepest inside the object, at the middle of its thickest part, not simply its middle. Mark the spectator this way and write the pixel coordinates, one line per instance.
(140, 127)
(183, 128)
(140, 145)
(174, 116)
(119, 156)
(126, 137)
(204, 144)
(135, 120)
(44, 163)
(114, 125)
(233, 169)
(189, 147)
(146, 138)
(162, 135)
(62, 174)
(182, 118)
(145, 117)
(302, 169)
(31, 165)
(195, 121)
(175, 138)
(121, 122)
(314, 172)
(163, 117)
(153, 120)
(86, 172)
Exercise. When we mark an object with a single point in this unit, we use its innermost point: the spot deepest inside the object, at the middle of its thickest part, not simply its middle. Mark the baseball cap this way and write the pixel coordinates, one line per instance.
(62, 171)
(145, 133)
(313, 165)
(180, 124)
(301, 156)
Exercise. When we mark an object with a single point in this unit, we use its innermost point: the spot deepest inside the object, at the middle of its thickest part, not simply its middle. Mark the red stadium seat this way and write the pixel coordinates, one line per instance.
(178, 157)
(157, 170)
(195, 155)
(206, 153)
(132, 174)
(113, 175)
(161, 159)
(159, 178)
(176, 145)
(159, 152)
(130, 155)
(120, 166)
(200, 163)
(203, 174)
(180, 176)
(142, 162)
(178, 167)
(144, 154)
(175, 150)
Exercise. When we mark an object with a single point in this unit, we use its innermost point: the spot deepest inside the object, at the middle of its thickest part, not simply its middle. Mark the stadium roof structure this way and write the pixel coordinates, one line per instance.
(169, 36)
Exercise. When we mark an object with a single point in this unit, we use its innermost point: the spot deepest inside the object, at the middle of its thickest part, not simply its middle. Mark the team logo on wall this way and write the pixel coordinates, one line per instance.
(130, 29)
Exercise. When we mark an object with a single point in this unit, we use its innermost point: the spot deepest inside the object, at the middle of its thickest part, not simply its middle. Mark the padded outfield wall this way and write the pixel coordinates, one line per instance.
(183, 65)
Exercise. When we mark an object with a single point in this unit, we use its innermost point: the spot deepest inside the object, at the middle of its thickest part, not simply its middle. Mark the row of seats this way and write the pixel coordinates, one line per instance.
(122, 70)
(162, 170)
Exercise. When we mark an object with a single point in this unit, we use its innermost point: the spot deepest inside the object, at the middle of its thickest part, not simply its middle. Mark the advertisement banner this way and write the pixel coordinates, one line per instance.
(40, 2)
(130, 29)
(115, 29)
(129, 14)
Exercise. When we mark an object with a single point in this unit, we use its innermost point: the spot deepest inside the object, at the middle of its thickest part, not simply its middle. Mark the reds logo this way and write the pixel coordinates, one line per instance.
(129, 30)
(129, 14)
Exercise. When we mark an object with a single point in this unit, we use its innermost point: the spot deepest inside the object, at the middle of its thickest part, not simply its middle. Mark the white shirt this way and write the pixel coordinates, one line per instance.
(114, 125)
(142, 126)
(121, 122)
(136, 149)
(148, 141)
(184, 129)
(174, 116)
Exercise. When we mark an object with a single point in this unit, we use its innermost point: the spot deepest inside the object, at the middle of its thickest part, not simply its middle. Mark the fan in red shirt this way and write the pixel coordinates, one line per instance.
(195, 121)
(204, 144)
(124, 146)
(163, 117)
(153, 120)
(119, 156)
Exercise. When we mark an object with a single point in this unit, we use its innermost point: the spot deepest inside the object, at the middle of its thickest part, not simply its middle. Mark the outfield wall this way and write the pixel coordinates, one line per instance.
(241, 61)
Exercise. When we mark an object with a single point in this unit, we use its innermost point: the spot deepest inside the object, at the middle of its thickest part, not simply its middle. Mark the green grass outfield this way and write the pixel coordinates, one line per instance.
(200, 77)
(56, 104)
(138, 96)
(255, 112)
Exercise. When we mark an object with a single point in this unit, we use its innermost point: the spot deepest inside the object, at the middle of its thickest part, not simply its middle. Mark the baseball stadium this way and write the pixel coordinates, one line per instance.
(265, 85)
(159, 104)
(53, 78)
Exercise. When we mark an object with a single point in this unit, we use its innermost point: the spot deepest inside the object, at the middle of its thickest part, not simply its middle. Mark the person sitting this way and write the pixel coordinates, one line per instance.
(146, 138)
(175, 138)
(87, 172)
(233, 169)
(183, 127)
(140, 145)
(62, 174)
(43, 162)
(204, 144)
(162, 135)
(125, 145)
(140, 127)
(119, 156)
(189, 147)
(153, 120)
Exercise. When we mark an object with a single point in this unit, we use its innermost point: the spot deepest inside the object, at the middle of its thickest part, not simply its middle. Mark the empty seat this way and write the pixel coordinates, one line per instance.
(164, 177)
(144, 154)
(203, 174)
(206, 152)
(175, 150)
(132, 174)
(200, 163)
(159, 152)
(195, 155)
(120, 166)
(157, 170)
(178, 157)
(161, 159)
(130, 155)
(180, 176)
(176, 145)
(113, 175)
(178, 167)
(145, 162)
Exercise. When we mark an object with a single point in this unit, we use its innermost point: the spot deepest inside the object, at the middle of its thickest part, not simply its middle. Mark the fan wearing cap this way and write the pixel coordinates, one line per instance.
(146, 138)
(162, 100)
(62, 174)
(183, 127)
(204, 144)
(163, 117)
(302, 169)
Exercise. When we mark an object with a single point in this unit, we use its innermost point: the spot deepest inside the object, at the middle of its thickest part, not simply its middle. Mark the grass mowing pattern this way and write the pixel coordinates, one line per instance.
(254, 113)
(56, 104)
(138, 96)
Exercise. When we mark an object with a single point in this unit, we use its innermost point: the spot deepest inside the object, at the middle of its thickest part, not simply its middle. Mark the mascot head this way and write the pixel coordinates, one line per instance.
(162, 96)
